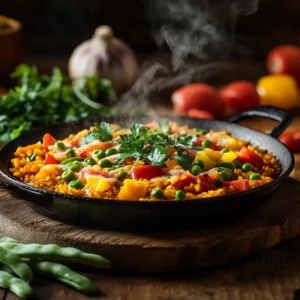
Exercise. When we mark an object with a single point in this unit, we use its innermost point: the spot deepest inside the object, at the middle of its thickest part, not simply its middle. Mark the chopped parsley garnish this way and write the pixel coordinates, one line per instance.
(103, 133)
(164, 126)
(157, 157)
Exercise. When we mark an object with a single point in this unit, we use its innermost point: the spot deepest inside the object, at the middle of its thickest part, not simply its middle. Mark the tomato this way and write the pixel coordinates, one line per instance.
(278, 90)
(48, 140)
(200, 114)
(147, 172)
(285, 59)
(238, 185)
(240, 95)
(200, 96)
(49, 160)
(246, 155)
(291, 139)
(184, 179)
(206, 183)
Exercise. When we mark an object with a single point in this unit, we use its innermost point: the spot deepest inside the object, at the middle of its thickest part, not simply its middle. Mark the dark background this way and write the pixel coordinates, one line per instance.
(54, 28)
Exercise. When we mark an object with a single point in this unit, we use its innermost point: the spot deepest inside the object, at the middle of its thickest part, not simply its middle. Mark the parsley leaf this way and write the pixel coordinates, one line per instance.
(186, 139)
(158, 158)
(164, 126)
(103, 132)
(184, 160)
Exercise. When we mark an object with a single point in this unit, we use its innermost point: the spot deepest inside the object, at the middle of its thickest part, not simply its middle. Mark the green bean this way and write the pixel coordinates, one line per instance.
(4, 238)
(7, 269)
(15, 263)
(15, 285)
(71, 159)
(54, 252)
(65, 275)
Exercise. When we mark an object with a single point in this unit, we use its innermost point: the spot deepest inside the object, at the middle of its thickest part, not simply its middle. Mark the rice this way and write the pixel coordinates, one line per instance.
(37, 173)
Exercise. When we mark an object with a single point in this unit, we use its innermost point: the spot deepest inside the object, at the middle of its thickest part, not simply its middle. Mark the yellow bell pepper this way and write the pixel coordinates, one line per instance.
(133, 190)
(229, 156)
(208, 163)
(278, 90)
(213, 155)
(98, 184)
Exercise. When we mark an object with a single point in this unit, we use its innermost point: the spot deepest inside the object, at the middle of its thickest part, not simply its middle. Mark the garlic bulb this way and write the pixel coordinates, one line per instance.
(106, 56)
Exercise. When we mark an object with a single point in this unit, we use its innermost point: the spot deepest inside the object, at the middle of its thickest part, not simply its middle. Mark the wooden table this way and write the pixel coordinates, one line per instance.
(274, 274)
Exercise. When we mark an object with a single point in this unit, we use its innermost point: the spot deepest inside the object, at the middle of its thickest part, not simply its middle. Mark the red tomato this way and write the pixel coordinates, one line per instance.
(246, 155)
(240, 95)
(238, 185)
(49, 160)
(200, 114)
(206, 183)
(185, 179)
(146, 172)
(200, 96)
(291, 139)
(48, 140)
(285, 59)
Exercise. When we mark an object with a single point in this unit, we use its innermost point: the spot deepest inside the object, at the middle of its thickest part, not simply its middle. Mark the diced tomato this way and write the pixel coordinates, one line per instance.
(184, 179)
(48, 140)
(146, 172)
(49, 159)
(238, 185)
(246, 155)
(206, 183)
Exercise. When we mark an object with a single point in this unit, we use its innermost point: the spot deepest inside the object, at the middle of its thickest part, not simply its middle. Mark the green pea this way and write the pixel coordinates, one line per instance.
(179, 195)
(70, 152)
(219, 182)
(199, 163)
(196, 170)
(224, 173)
(227, 165)
(247, 167)
(206, 144)
(89, 161)
(202, 131)
(76, 184)
(198, 148)
(122, 175)
(99, 154)
(157, 193)
(32, 157)
(225, 150)
(74, 166)
(68, 176)
(255, 176)
(111, 151)
(105, 163)
(238, 164)
(60, 145)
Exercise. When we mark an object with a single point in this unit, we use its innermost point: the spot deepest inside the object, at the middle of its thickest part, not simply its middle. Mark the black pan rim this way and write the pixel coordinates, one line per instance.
(23, 186)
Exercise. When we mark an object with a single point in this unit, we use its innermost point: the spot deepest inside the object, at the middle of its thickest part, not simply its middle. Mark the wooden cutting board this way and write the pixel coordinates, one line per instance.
(276, 221)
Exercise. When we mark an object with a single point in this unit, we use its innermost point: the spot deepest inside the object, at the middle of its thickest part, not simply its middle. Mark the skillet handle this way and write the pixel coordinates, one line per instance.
(283, 116)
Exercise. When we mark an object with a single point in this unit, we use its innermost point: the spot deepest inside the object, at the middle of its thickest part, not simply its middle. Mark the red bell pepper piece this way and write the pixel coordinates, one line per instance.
(238, 185)
(147, 172)
(184, 179)
(49, 159)
(48, 140)
(206, 183)
(246, 155)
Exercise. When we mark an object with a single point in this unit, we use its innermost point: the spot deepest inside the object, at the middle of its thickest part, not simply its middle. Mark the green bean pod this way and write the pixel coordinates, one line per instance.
(16, 285)
(7, 269)
(71, 159)
(54, 252)
(15, 263)
(65, 275)
(4, 238)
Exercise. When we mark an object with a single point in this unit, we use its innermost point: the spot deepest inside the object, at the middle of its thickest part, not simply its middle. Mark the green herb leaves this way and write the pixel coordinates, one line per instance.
(103, 133)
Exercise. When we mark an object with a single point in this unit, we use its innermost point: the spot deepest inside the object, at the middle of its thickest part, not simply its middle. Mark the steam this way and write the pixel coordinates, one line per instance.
(200, 35)
(202, 29)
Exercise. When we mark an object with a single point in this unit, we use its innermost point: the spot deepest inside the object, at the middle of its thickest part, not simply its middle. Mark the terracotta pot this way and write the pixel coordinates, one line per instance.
(11, 48)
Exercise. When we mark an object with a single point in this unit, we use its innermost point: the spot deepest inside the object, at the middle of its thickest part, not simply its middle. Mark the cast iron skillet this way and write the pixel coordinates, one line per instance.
(128, 215)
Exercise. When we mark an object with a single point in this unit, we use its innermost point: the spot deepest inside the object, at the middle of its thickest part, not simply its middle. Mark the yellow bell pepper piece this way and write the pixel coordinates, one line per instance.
(229, 156)
(97, 184)
(278, 90)
(208, 163)
(172, 163)
(133, 190)
(213, 155)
